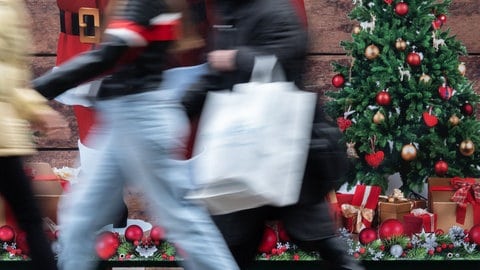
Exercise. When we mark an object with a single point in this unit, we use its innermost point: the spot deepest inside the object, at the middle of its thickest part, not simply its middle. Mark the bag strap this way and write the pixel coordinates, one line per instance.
(266, 68)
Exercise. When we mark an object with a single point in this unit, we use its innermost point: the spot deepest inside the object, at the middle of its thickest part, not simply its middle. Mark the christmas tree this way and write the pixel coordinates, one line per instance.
(404, 103)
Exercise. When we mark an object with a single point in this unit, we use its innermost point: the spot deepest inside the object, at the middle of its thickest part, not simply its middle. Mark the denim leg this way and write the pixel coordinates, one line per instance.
(86, 208)
(153, 147)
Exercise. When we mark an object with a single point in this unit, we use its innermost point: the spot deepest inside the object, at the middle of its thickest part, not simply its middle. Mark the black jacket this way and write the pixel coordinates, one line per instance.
(253, 27)
(129, 57)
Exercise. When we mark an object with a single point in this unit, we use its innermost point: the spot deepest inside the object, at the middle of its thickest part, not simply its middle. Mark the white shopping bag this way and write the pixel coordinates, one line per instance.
(252, 143)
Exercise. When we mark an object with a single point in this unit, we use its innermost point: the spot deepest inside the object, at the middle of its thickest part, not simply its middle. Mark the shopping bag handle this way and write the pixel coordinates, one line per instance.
(266, 69)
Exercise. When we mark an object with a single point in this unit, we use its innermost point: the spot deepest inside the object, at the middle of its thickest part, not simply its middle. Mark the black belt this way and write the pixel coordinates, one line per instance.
(75, 28)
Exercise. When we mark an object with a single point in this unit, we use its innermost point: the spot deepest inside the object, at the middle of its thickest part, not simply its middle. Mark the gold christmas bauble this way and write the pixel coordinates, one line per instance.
(462, 68)
(356, 30)
(425, 79)
(400, 44)
(372, 52)
(409, 152)
(467, 148)
(454, 120)
(378, 118)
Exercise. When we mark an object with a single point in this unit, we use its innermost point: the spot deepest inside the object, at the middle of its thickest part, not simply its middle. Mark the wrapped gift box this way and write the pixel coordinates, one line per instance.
(395, 210)
(450, 213)
(419, 219)
(359, 213)
(336, 200)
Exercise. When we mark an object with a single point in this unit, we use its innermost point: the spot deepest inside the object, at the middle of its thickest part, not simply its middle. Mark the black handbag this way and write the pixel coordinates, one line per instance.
(327, 161)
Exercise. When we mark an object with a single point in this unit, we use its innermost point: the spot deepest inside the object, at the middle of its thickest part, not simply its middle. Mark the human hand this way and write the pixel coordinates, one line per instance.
(222, 60)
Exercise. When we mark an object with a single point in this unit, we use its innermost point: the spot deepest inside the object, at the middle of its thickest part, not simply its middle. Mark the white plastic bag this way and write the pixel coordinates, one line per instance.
(252, 143)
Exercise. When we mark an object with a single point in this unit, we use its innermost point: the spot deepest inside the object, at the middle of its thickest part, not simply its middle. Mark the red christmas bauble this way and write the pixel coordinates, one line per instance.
(388, 1)
(157, 233)
(106, 245)
(474, 234)
(437, 24)
(442, 17)
(441, 168)
(133, 233)
(282, 232)
(338, 80)
(467, 109)
(367, 236)
(401, 9)
(390, 228)
(445, 92)
(383, 98)
(7, 233)
(269, 241)
(414, 59)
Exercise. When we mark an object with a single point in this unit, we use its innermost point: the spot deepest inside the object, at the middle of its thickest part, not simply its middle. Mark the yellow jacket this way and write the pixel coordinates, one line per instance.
(18, 105)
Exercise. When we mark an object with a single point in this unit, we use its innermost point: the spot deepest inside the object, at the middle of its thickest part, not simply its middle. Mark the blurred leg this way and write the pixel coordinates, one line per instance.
(17, 191)
(154, 149)
(312, 228)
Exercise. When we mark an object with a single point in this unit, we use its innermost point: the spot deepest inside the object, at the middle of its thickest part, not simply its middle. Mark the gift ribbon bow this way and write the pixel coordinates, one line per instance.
(358, 213)
(467, 191)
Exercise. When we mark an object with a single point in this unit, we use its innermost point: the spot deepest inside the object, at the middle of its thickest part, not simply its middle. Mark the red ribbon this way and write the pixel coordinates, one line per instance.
(467, 192)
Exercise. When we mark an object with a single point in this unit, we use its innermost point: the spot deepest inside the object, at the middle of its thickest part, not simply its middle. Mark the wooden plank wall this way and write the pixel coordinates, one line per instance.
(328, 24)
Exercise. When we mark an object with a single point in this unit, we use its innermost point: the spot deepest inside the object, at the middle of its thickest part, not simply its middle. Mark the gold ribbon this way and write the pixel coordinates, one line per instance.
(358, 213)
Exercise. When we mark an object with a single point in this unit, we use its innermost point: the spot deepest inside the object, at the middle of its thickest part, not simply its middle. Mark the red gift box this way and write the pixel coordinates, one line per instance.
(418, 220)
(336, 200)
(360, 212)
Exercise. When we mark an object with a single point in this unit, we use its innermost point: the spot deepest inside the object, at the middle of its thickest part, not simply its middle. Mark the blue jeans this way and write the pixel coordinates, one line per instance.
(141, 139)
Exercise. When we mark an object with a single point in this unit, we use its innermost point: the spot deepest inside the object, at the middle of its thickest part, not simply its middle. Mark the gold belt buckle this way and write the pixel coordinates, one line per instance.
(82, 13)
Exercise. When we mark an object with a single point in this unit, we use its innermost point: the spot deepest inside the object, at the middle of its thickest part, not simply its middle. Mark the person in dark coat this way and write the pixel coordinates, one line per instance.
(141, 140)
(244, 29)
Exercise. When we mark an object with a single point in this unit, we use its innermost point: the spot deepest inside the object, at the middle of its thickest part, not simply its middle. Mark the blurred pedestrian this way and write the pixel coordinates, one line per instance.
(20, 108)
(143, 137)
(243, 30)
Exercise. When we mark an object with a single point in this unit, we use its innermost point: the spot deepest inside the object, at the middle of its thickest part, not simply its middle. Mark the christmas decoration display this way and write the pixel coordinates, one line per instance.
(418, 62)
(360, 212)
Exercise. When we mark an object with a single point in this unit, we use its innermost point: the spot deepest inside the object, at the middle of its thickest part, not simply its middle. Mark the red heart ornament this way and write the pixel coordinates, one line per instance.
(388, 1)
(343, 123)
(374, 159)
(430, 120)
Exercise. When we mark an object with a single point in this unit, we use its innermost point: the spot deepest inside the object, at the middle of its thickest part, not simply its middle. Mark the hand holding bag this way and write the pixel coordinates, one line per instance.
(252, 142)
